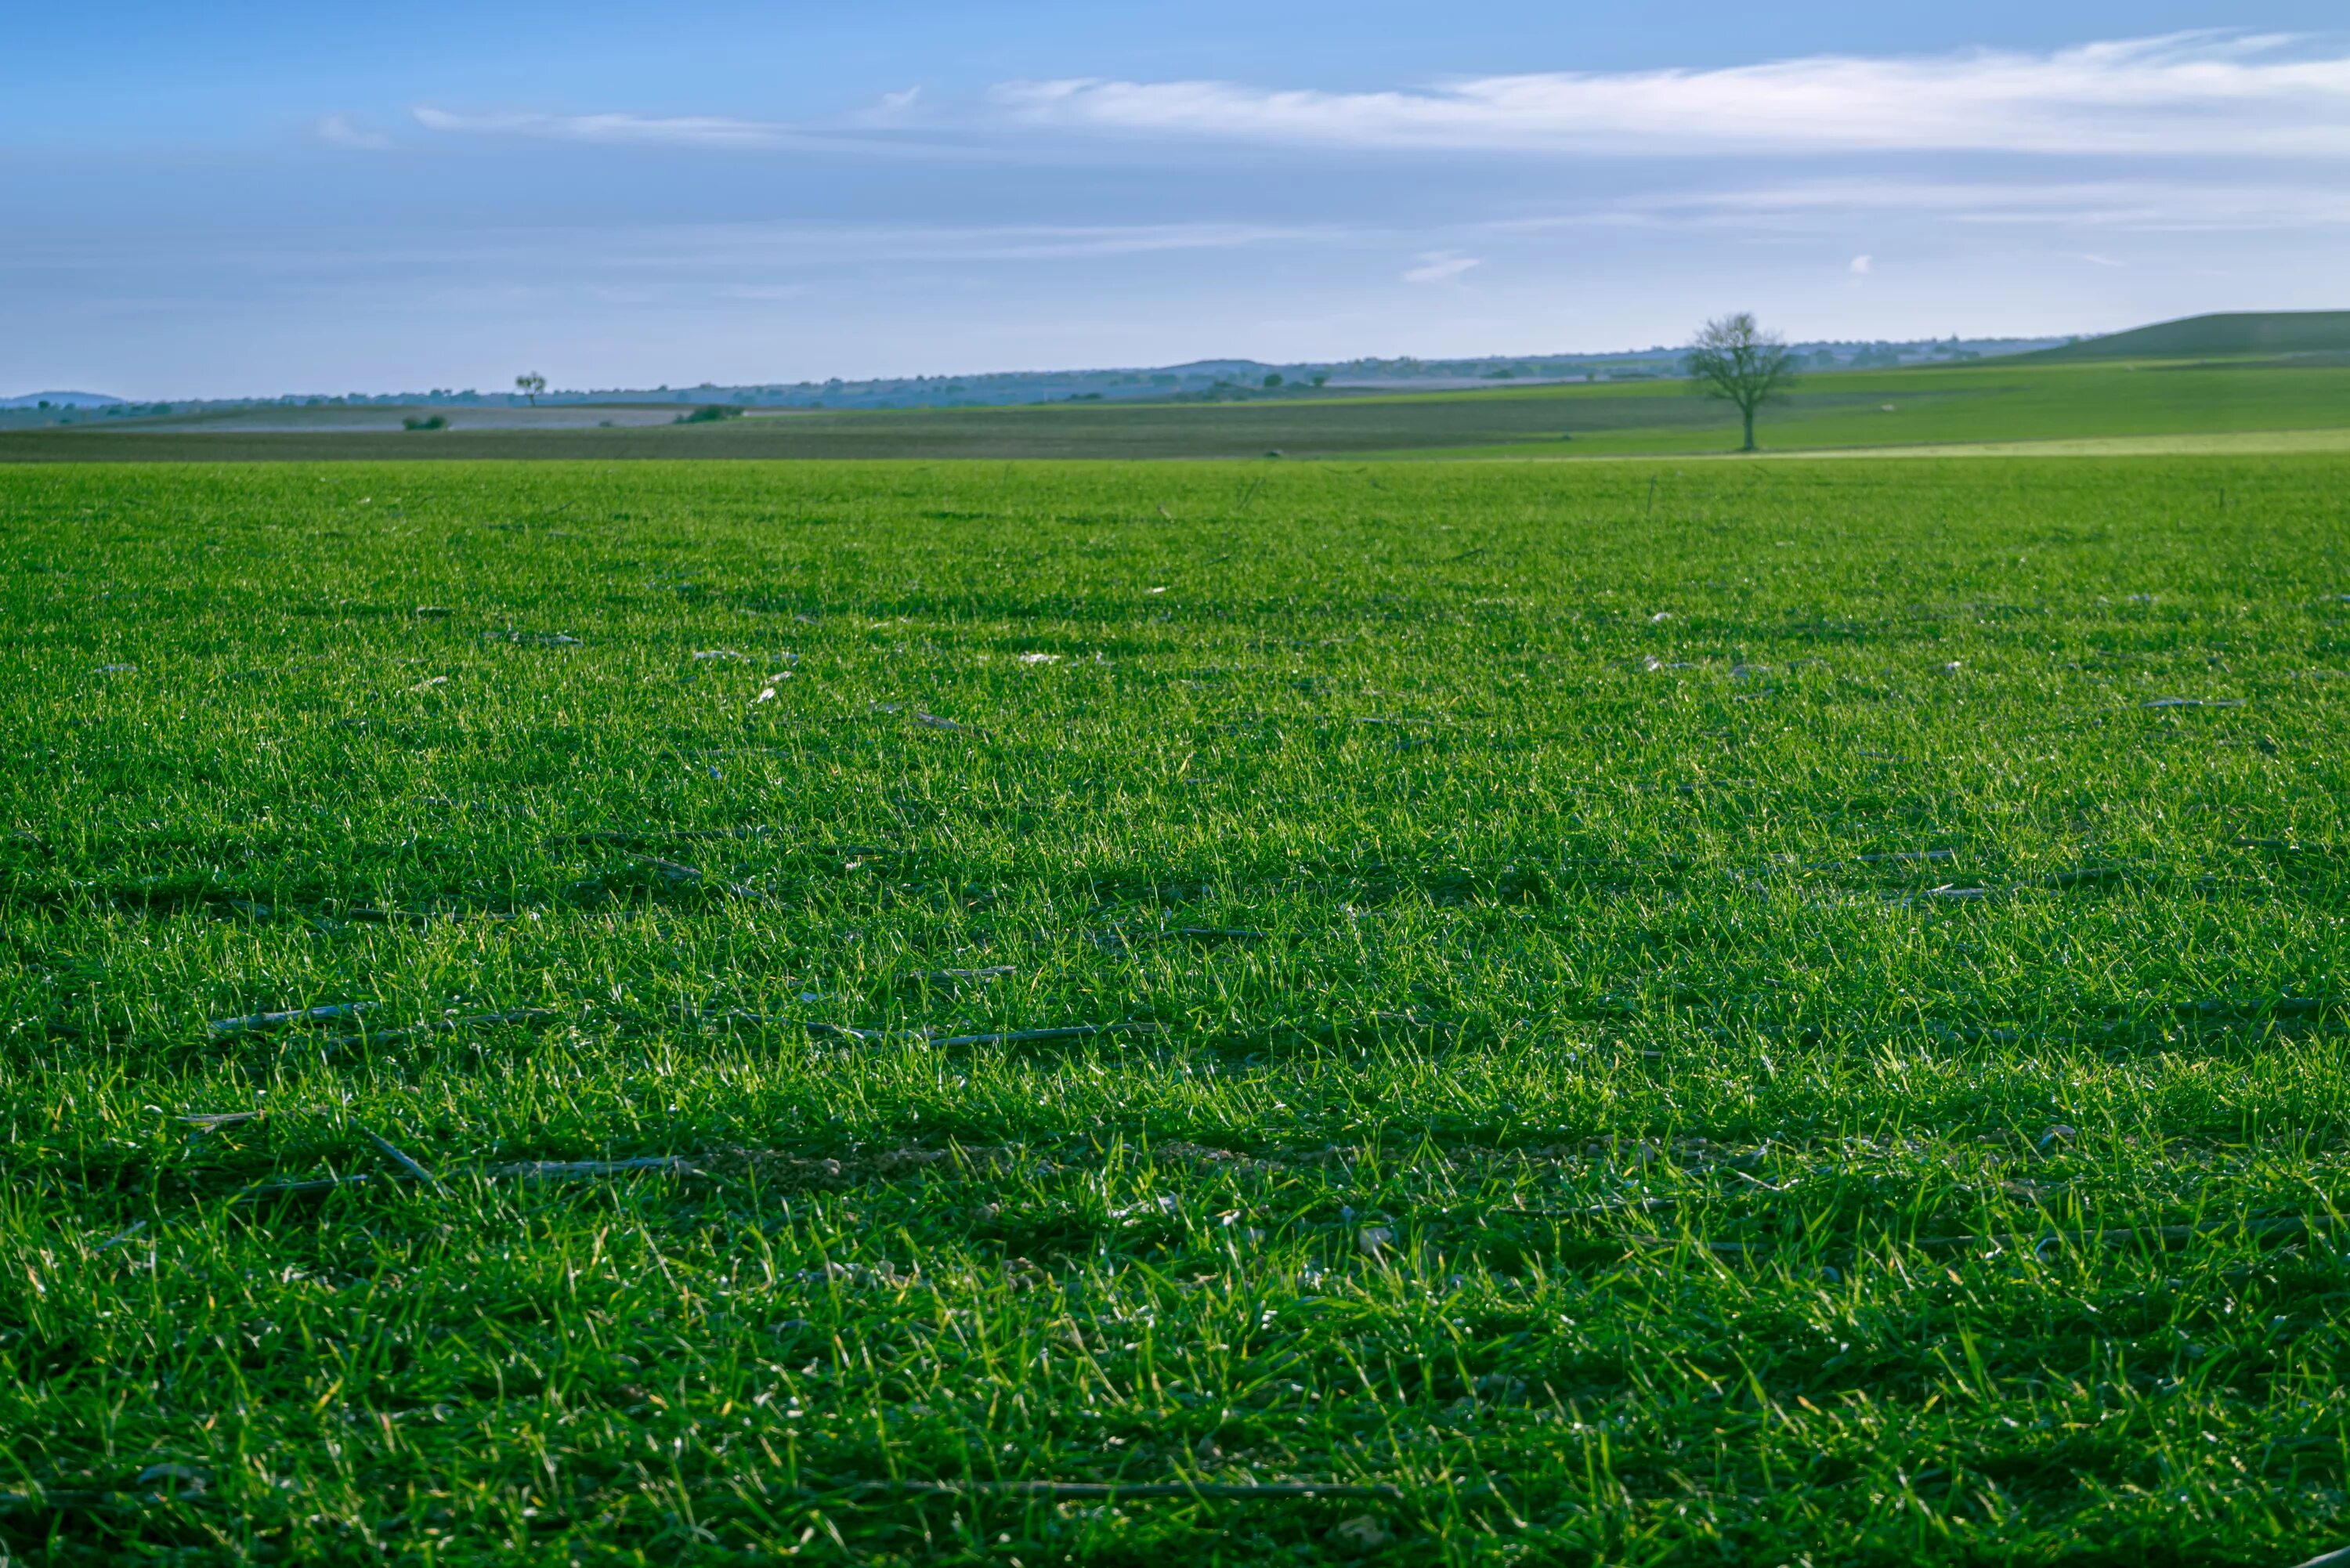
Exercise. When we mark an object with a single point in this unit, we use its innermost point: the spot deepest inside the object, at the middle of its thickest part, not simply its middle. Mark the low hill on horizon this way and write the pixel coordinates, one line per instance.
(61, 401)
(1960, 403)
(2209, 337)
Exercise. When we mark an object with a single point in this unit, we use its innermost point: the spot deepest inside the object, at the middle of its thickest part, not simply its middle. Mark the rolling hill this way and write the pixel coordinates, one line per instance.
(2210, 337)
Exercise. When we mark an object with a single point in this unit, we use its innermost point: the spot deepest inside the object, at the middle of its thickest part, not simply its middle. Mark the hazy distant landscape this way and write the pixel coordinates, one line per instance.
(1220, 380)
(2235, 376)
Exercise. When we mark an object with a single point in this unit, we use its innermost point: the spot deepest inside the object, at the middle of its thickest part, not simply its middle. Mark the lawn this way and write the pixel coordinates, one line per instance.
(1628, 1012)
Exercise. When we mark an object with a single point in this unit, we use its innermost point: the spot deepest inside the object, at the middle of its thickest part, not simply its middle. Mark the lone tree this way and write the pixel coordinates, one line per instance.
(1737, 361)
(530, 386)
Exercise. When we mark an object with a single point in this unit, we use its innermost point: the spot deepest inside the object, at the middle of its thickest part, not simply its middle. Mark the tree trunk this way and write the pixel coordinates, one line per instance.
(1749, 412)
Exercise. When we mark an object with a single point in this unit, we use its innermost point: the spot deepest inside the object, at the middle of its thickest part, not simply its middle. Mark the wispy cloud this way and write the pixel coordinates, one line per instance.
(1862, 266)
(625, 130)
(2201, 93)
(1441, 267)
(889, 129)
(763, 251)
(764, 257)
(2094, 259)
(2139, 205)
(1044, 242)
(892, 107)
(338, 130)
(765, 293)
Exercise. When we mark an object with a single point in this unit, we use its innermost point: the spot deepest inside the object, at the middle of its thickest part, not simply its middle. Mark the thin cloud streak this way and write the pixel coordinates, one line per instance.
(881, 132)
(893, 107)
(2143, 206)
(1441, 267)
(2202, 94)
(338, 130)
(837, 244)
(688, 248)
(625, 130)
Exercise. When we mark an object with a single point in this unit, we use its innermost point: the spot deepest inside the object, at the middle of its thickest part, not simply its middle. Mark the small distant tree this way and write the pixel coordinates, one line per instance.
(1272, 380)
(1737, 361)
(530, 386)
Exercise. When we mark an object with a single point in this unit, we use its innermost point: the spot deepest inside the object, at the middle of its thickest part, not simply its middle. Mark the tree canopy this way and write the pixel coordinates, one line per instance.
(1733, 358)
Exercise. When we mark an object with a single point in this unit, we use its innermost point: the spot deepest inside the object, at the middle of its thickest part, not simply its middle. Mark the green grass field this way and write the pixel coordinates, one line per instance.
(2270, 401)
(1644, 1014)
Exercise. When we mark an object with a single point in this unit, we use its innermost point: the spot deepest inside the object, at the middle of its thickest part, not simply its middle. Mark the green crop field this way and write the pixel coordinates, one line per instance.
(2020, 400)
(1641, 1013)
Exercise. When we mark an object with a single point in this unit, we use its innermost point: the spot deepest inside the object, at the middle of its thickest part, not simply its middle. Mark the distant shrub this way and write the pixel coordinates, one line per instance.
(427, 422)
(709, 415)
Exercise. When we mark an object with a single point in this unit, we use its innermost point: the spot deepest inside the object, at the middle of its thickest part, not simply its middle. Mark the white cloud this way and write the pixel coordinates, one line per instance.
(680, 130)
(1050, 241)
(1441, 267)
(757, 260)
(336, 131)
(2094, 259)
(1862, 266)
(763, 248)
(881, 130)
(766, 293)
(2152, 206)
(2188, 93)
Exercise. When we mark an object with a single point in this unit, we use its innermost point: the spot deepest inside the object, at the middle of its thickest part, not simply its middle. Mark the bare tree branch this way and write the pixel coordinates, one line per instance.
(1736, 360)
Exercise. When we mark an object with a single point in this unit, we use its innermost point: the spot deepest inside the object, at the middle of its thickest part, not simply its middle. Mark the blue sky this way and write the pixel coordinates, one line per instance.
(205, 201)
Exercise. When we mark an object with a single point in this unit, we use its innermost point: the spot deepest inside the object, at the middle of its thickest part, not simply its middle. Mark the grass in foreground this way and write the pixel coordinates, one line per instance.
(1763, 1015)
